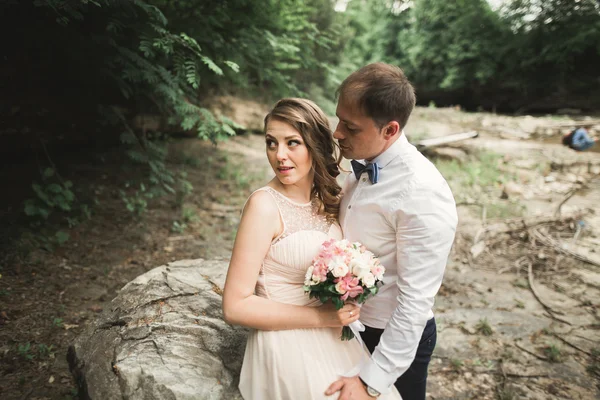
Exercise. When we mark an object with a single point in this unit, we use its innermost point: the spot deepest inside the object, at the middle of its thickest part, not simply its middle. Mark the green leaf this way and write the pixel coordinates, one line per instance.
(211, 65)
(228, 129)
(48, 172)
(61, 237)
(235, 67)
(337, 302)
(54, 188)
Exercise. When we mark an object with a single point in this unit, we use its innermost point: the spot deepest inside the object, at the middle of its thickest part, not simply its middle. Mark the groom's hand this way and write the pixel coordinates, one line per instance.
(349, 388)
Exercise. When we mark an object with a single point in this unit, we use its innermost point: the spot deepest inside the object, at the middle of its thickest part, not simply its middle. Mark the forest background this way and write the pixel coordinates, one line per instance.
(79, 75)
(89, 84)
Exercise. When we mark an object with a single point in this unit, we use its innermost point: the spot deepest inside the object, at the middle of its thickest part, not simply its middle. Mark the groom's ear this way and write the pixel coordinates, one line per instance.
(391, 129)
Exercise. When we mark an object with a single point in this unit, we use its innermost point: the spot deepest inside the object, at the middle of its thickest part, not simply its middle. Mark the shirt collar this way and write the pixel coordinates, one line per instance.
(392, 152)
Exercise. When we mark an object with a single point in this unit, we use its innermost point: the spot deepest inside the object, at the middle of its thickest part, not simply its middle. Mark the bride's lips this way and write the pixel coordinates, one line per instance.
(285, 170)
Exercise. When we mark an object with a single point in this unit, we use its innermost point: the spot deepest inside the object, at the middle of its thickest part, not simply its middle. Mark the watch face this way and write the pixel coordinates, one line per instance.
(372, 392)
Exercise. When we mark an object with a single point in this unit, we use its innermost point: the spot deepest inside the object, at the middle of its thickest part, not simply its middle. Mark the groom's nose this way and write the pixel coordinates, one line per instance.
(337, 134)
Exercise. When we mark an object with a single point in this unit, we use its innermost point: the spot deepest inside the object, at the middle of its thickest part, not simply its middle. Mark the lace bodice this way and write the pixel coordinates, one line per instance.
(296, 216)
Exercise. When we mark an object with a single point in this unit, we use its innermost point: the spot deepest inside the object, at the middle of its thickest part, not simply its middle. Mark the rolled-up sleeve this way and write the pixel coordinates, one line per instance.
(425, 221)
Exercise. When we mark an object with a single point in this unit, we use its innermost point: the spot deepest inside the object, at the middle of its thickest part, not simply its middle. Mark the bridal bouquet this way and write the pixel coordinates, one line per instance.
(343, 271)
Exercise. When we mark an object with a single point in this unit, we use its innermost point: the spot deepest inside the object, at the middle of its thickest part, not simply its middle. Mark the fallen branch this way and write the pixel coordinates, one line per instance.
(531, 352)
(569, 124)
(513, 225)
(551, 242)
(565, 341)
(513, 375)
(551, 312)
(517, 266)
(427, 143)
(570, 194)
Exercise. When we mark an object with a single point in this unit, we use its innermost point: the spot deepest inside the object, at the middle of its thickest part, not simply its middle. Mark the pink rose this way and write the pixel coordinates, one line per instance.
(377, 270)
(350, 285)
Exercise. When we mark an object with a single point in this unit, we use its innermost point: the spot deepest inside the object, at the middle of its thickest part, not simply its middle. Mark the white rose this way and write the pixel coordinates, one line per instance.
(308, 276)
(338, 287)
(359, 268)
(333, 262)
(368, 280)
(367, 256)
(340, 270)
(315, 280)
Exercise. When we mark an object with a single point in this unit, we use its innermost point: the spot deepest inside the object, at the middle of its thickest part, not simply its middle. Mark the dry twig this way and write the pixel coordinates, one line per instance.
(551, 242)
(551, 312)
(570, 194)
(565, 341)
(530, 352)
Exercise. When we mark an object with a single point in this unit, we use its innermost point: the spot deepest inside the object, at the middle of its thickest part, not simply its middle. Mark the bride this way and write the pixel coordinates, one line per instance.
(294, 349)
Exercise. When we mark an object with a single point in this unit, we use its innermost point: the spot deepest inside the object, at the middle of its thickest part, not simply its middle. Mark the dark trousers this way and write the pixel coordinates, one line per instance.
(413, 383)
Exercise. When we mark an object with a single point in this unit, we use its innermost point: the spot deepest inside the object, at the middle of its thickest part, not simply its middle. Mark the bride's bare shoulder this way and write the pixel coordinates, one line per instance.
(261, 203)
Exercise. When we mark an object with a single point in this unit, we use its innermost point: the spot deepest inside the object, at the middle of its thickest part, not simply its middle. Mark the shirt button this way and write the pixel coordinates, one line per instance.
(364, 179)
(349, 207)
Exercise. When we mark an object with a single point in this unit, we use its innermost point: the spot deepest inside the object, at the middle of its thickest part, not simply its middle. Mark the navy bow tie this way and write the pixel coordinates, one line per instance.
(372, 169)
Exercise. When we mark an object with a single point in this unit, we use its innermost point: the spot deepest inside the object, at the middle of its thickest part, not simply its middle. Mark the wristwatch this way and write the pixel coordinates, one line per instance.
(370, 391)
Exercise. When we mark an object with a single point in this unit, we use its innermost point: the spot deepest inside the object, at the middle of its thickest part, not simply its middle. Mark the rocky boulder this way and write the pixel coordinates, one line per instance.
(163, 338)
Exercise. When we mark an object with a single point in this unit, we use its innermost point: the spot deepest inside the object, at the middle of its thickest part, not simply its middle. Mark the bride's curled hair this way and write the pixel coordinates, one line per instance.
(312, 124)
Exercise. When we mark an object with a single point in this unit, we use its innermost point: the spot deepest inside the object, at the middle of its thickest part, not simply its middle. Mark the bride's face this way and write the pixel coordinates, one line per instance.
(287, 153)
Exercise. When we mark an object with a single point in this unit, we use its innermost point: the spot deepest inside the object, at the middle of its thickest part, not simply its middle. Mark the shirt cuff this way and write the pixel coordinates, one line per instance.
(377, 378)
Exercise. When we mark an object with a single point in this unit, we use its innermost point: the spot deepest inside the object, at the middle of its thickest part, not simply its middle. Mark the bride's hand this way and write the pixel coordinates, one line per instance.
(335, 318)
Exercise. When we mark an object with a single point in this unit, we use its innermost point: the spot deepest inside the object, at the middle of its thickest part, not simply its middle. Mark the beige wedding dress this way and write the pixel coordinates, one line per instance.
(297, 364)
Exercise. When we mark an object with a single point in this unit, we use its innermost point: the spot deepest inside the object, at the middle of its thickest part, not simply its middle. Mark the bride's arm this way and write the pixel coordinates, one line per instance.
(259, 225)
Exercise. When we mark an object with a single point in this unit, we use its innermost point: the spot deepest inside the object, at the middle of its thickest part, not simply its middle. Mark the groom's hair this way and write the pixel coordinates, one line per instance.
(381, 91)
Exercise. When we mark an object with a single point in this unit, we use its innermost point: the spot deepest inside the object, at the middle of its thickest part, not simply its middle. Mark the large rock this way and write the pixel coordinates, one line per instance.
(164, 338)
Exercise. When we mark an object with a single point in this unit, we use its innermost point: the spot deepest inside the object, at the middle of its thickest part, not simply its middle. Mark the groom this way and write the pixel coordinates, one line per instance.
(400, 207)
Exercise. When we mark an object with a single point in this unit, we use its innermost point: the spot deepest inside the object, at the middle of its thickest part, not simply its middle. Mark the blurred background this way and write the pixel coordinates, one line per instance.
(128, 139)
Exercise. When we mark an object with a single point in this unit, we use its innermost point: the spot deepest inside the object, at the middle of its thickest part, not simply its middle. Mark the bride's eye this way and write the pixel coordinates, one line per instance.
(270, 143)
(294, 142)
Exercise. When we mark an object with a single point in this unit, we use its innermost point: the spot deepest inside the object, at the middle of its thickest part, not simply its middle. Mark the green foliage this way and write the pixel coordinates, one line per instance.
(456, 364)
(184, 189)
(594, 366)
(45, 351)
(54, 197)
(519, 304)
(521, 283)
(553, 353)
(51, 195)
(178, 227)
(483, 327)
(57, 322)
(136, 202)
(28, 352)
(527, 54)
(558, 37)
(23, 350)
(465, 54)
(506, 394)
(188, 215)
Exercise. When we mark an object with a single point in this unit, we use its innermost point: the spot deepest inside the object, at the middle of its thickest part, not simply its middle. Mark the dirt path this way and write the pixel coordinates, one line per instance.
(46, 299)
(496, 338)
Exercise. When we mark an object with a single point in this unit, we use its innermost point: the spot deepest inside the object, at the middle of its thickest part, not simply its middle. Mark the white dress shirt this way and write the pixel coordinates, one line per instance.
(408, 219)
